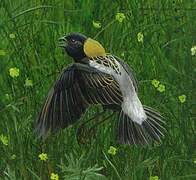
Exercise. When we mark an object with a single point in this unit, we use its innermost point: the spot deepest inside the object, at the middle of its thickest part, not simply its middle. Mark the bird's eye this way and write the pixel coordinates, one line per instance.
(73, 41)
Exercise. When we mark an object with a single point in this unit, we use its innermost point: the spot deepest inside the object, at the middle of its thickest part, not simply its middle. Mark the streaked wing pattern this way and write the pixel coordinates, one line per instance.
(64, 104)
(77, 87)
(100, 88)
(109, 61)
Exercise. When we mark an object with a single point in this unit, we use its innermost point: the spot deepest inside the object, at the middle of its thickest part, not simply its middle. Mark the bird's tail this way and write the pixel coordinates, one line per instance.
(130, 132)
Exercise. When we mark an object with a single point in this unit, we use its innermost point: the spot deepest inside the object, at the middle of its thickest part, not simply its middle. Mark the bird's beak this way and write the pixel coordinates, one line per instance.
(63, 42)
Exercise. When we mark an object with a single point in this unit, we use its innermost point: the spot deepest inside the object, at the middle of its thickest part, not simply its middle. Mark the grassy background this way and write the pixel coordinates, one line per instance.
(169, 29)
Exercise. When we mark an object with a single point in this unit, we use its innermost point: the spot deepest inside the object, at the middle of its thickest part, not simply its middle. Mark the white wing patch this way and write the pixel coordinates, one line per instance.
(131, 104)
(107, 61)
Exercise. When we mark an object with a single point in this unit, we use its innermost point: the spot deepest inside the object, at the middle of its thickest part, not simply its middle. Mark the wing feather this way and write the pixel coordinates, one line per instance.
(100, 88)
(77, 87)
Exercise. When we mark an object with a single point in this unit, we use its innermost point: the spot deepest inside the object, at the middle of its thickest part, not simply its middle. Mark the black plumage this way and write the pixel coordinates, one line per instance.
(81, 85)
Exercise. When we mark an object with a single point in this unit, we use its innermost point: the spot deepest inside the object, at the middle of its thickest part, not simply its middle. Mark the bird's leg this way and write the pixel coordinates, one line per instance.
(102, 121)
(82, 134)
(81, 130)
(92, 130)
(94, 117)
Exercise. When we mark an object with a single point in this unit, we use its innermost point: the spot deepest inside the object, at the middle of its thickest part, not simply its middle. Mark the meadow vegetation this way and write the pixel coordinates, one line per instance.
(156, 38)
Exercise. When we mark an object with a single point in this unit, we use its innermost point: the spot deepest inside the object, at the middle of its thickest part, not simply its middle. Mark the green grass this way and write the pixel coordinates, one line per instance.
(169, 29)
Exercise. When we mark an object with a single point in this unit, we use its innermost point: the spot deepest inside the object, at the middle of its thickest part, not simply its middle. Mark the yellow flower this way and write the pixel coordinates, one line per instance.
(28, 82)
(193, 51)
(13, 156)
(154, 178)
(120, 17)
(8, 96)
(2, 52)
(112, 150)
(122, 54)
(182, 98)
(12, 36)
(155, 83)
(161, 88)
(43, 156)
(54, 176)
(97, 24)
(14, 72)
(4, 139)
(140, 37)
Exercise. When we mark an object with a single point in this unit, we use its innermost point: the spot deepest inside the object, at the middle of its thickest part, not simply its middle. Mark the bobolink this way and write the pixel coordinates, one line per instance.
(96, 77)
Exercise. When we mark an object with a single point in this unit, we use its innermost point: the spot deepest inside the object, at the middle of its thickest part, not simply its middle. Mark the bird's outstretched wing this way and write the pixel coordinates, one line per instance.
(77, 87)
(99, 88)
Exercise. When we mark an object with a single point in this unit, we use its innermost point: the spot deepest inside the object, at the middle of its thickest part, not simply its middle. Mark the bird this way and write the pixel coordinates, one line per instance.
(96, 77)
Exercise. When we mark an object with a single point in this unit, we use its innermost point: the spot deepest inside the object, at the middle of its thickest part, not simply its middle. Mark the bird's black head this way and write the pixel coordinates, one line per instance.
(74, 45)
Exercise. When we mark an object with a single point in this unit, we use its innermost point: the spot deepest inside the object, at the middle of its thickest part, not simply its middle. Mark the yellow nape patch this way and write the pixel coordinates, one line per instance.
(93, 48)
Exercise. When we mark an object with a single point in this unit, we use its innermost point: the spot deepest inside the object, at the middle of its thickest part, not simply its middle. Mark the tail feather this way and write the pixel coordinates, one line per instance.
(144, 139)
(130, 132)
